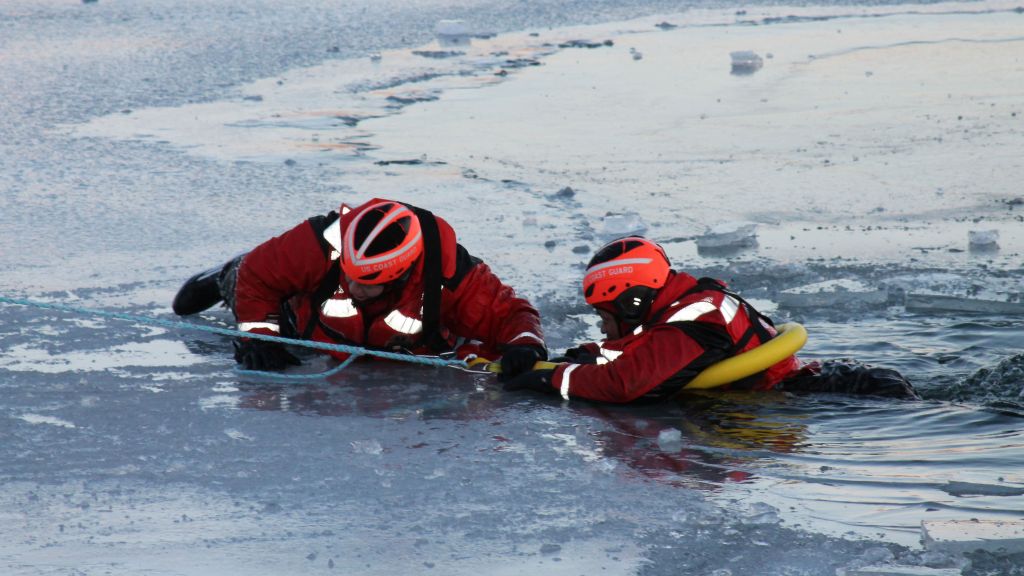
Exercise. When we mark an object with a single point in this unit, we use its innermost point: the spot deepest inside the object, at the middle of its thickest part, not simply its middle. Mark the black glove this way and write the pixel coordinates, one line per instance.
(263, 355)
(537, 380)
(518, 359)
(580, 355)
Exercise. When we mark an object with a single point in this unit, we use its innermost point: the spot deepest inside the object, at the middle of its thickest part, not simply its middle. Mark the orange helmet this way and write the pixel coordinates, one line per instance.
(381, 244)
(624, 276)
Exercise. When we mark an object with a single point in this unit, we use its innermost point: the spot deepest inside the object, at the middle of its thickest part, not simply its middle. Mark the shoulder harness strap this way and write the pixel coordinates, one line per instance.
(331, 280)
(757, 319)
(432, 278)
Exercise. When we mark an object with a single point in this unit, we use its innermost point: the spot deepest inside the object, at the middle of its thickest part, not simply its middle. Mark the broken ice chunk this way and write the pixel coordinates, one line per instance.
(983, 239)
(452, 33)
(625, 224)
(761, 513)
(924, 302)
(842, 292)
(729, 235)
(669, 437)
(958, 488)
(372, 447)
(892, 570)
(971, 535)
(745, 62)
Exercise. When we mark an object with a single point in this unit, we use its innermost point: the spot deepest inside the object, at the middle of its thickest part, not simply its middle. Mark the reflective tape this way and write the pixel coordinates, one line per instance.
(333, 236)
(692, 312)
(729, 308)
(564, 390)
(608, 355)
(401, 323)
(250, 326)
(619, 262)
(339, 308)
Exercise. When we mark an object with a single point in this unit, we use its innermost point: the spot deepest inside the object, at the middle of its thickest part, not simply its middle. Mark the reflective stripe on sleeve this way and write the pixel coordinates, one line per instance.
(608, 355)
(250, 326)
(565, 380)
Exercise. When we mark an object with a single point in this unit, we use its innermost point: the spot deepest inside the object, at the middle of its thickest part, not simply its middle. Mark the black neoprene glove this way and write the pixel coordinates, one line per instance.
(537, 380)
(518, 359)
(580, 355)
(263, 355)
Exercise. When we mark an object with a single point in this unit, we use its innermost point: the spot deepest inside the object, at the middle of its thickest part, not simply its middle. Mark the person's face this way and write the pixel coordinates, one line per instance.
(609, 325)
(363, 292)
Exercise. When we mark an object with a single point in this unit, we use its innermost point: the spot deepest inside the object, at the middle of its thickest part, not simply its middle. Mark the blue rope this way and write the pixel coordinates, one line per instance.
(353, 351)
(315, 376)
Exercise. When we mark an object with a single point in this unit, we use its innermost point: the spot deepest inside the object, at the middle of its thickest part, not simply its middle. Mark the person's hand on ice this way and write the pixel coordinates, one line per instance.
(537, 380)
(262, 355)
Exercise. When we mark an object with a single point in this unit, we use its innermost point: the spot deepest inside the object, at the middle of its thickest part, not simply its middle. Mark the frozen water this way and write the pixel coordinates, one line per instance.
(974, 534)
(877, 555)
(617, 225)
(729, 235)
(983, 239)
(761, 513)
(745, 62)
(973, 489)
(452, 28)
(940, 302)
(890, 570)
(669, 437)
(830, 293)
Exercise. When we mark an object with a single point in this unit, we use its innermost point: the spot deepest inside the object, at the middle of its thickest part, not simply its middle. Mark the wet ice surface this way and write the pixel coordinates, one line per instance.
(155, 139)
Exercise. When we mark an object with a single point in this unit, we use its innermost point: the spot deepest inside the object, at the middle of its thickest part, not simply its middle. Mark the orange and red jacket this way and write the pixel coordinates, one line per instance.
(292, 267)
(689, 327)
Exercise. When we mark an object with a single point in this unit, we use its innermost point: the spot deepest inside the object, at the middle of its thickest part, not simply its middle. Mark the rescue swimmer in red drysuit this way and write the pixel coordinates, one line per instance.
(363, 277)
(664, 327)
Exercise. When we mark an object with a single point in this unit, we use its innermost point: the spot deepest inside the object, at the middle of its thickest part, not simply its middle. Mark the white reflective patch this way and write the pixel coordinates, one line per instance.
(339, 308)
(638, 330)
(564, 389)
(729, 308)
(333, 236)
(692, 312)
(609, 355)
(619, 262)
(250, 326)
(401, 323)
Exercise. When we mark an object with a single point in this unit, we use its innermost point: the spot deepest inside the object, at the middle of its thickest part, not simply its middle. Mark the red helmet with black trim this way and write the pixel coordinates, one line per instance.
(624, 276)
(381, 243)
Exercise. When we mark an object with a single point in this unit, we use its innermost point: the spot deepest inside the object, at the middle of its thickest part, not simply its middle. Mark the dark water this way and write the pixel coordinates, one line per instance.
(389, 467)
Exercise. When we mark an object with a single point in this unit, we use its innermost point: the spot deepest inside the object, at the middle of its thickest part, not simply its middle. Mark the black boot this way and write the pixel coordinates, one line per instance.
(850, 377)
(198, 293)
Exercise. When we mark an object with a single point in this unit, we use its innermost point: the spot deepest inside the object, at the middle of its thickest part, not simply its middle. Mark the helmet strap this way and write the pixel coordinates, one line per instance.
(632, 306)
